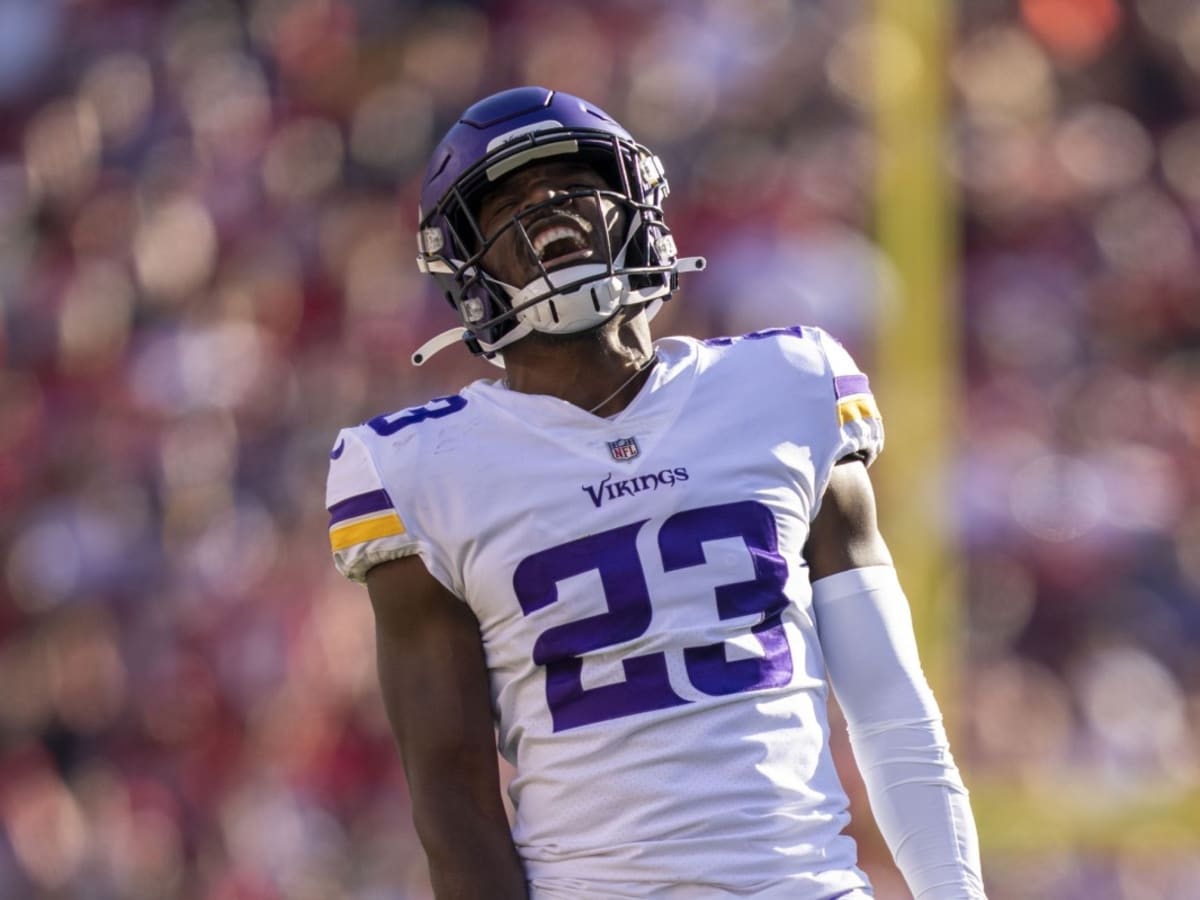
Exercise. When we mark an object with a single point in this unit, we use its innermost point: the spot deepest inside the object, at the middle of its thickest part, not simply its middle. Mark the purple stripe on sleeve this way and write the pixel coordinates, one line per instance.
(359, 505)
(845, 385)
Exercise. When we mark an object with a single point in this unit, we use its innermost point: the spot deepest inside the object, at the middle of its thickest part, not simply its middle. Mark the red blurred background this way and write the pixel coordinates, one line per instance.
(206, 269)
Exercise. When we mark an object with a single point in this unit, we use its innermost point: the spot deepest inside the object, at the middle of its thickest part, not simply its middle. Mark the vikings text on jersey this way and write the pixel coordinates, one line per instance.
(644, 605)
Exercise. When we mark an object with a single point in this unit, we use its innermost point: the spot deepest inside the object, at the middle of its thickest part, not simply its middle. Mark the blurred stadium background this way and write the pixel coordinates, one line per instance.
(206, 268)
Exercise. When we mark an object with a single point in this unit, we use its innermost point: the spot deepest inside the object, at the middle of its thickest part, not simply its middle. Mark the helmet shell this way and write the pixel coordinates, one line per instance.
(473, 137)
(501, 134)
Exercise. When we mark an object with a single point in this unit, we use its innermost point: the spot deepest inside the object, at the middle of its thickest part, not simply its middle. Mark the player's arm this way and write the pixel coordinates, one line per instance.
(435, 688)
(895, 726)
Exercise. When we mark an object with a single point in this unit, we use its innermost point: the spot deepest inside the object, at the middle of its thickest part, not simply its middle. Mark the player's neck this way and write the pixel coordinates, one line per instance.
(600, 371)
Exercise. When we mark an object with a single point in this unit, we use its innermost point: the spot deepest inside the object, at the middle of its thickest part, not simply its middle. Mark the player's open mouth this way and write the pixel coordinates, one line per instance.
(560, 240)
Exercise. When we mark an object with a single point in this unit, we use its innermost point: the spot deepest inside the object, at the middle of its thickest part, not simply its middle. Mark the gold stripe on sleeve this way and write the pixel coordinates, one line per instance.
(861, 407)
(385, 525)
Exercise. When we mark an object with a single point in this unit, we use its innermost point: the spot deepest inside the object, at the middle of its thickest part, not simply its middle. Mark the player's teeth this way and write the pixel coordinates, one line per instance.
(550, 235)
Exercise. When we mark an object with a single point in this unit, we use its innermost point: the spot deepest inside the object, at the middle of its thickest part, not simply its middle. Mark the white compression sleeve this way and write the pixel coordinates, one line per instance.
(916, 792)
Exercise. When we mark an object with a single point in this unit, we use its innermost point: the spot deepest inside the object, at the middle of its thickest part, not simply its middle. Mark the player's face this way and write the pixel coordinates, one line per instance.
(567, 231)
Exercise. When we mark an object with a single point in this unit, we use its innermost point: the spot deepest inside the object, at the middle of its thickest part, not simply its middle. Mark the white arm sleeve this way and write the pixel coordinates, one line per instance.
(896, 731)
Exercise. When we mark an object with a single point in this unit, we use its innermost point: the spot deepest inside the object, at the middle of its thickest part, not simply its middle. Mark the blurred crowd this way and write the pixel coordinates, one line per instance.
(206, 269)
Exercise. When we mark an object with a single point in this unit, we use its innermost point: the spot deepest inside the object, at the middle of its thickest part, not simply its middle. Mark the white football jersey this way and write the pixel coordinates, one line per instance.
(644, 605)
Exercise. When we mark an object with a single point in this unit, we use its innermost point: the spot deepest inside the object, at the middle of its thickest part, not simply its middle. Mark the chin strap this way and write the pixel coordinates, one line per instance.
(651, 297)
(439, 342)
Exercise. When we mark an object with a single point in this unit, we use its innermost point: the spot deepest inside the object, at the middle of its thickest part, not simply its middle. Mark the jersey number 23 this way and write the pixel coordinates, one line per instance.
(614, 556)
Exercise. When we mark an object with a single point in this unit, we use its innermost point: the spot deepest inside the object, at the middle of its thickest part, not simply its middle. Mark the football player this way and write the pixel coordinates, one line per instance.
(641, 563)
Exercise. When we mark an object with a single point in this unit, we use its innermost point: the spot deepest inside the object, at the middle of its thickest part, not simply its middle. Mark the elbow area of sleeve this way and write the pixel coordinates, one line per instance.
(900, 745)
(870, 651)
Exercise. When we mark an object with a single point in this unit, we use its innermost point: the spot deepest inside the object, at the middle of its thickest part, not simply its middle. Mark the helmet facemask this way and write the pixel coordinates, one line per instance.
(560, 263)
(498, 136)
(635, 266)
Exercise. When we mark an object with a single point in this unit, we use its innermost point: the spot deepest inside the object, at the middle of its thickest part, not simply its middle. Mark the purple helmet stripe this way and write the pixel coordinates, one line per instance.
(359, 505)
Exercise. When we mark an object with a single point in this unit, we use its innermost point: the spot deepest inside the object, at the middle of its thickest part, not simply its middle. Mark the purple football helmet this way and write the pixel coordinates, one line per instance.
(499, 135)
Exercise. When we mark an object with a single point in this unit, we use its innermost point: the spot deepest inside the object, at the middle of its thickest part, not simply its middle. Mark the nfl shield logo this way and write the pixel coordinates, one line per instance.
(623, 449)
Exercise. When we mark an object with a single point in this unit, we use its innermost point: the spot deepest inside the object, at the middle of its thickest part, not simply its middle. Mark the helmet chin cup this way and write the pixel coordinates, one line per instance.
(593, 302)
(584, 308)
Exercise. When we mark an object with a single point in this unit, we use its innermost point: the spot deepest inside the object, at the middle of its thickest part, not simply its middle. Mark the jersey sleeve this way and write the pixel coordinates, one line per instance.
(365, 528)
(859, 424)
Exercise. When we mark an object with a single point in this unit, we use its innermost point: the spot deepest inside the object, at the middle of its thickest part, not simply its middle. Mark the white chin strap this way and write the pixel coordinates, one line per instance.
(594, 302)
(597, 298)
(576, 311)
